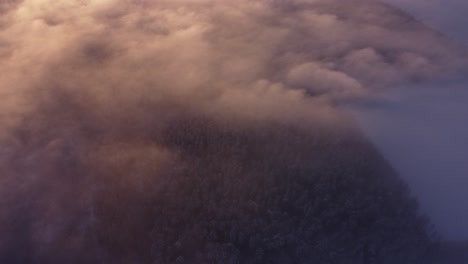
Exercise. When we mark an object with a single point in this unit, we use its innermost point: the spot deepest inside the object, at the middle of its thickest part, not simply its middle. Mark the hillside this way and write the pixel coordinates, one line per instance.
(267, 193)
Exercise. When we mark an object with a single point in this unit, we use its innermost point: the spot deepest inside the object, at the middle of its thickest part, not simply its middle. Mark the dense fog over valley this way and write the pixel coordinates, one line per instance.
(204, 131)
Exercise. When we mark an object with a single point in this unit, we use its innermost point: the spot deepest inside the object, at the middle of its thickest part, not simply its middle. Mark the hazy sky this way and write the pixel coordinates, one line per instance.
(447, 16)
(423, 130)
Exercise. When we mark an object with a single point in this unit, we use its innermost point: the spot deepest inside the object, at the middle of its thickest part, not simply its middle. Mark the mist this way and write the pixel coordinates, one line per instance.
(207, 131)
(422, 132)
(422, 128)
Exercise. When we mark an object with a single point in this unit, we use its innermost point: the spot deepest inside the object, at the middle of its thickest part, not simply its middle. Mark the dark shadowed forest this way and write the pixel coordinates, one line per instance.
(268, 193)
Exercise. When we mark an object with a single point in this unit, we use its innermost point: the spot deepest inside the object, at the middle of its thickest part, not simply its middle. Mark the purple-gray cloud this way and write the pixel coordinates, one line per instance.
(446, 16)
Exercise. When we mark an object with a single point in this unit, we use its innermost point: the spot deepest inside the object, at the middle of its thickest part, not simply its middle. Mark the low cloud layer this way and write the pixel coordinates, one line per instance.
(206, 50)
(93, 93)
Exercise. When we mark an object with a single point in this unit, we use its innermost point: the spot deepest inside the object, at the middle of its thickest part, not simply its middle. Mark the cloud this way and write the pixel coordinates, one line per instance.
(317, 80)
(225, 44)
(91, 90)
